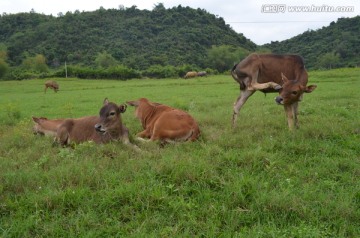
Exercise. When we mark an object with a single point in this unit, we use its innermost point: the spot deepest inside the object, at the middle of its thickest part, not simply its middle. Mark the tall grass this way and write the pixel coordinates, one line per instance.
(257, 180)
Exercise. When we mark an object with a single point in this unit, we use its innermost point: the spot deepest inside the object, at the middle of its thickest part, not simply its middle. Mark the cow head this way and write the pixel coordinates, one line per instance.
(141, 107)
(292, 91)
(110, 118)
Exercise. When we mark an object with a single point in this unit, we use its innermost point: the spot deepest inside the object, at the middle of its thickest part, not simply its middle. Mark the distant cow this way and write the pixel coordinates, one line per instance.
(164, 123)
(201, 73)
(52, 84)
(44, 126)
(191, 74)
(285, 74)
(100, 129)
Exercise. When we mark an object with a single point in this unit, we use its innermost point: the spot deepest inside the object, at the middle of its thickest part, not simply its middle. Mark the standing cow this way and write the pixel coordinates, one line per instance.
(191, 74)
(285, 74)
(52, 84)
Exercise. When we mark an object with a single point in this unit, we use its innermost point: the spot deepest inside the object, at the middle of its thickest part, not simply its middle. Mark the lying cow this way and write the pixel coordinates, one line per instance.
(100, 129)
(164, 123)
(44, 126)
(272, 73)
(191, 74)
(51, 84)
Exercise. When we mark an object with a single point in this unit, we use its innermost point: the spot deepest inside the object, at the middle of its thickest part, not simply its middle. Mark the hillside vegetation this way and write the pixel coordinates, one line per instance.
(337, 45)
(257, 180)
(135, 38)
(129, 43)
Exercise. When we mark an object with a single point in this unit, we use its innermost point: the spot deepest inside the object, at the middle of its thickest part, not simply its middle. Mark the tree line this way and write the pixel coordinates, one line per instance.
(141, 40)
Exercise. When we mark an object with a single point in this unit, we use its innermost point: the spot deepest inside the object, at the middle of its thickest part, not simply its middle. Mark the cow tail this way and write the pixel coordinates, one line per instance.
(234, 75)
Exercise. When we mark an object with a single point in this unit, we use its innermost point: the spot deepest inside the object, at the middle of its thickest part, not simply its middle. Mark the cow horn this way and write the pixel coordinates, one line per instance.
(284, 78)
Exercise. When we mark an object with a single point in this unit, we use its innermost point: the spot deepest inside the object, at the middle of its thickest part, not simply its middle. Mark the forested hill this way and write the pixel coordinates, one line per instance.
(337, 45)
(135, 38)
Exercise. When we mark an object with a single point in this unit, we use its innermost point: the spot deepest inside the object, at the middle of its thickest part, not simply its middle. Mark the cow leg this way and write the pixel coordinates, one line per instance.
(254, 85)
(289, 110)
(63, 136)
(261, 86)
(144, 134)
(295, 113)
(244, 95)
(45, 89)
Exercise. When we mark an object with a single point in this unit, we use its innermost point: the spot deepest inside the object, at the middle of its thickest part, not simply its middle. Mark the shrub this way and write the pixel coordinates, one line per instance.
(158, 71)
(116, 72)
(4, 67)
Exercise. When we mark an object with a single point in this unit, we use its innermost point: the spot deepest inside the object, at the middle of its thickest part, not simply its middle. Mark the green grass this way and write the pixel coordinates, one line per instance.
(258, 180)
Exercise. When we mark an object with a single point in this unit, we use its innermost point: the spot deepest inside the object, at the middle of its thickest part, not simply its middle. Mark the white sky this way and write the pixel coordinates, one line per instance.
(247, 17)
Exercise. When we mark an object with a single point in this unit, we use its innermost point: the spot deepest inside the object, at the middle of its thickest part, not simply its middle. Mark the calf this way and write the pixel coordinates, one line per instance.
(44, 126)
(100, 129)
(272, 73)
(164, 123)
(52, 84)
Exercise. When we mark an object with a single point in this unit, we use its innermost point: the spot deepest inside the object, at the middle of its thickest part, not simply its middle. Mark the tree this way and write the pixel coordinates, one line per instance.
(329, 60)
(4, 67)
(40, 63)
(36, 63)
(105, 60)
(223, 57)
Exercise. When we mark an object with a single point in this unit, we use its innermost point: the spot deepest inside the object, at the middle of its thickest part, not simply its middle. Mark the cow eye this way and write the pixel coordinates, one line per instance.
(294, 92)
(112, 114)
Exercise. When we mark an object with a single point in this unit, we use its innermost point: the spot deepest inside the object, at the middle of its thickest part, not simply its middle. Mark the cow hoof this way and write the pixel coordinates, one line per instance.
(142, 139)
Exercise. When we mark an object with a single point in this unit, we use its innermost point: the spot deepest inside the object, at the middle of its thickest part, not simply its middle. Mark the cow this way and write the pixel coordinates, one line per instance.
(104, 128)
(267, 73)
(47, 127)
(191, 74)
(163, 123)
(201, 73)
(51, 84)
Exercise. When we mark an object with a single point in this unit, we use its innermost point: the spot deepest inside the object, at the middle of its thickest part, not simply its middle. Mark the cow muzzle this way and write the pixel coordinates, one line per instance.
(99, 128)
(279, 100)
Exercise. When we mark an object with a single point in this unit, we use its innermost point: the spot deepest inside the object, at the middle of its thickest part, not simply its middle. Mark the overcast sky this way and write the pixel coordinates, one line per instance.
(262, 21)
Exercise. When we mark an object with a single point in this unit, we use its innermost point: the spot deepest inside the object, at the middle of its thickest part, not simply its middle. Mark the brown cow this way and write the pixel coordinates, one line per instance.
(51, 84)
(44, 126)
(164, 123)
(191, 74)
(100, 129)
(270, 73)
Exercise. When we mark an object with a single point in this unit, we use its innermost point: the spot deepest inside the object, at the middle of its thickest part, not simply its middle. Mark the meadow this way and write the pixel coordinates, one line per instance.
(257, 180)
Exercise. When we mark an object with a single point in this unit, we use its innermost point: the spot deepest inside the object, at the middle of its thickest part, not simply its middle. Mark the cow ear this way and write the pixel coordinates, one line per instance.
(284, 78)
(133, 103)
(106, 101)
(122, 108)
(35, 119)
(310, 88)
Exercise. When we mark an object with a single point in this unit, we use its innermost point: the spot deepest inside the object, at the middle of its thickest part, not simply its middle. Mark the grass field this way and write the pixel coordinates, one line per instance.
(258, 180)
